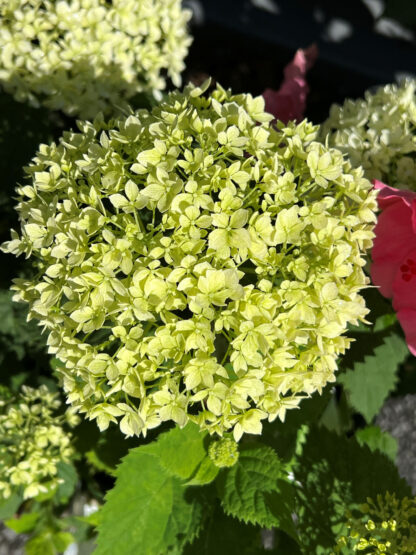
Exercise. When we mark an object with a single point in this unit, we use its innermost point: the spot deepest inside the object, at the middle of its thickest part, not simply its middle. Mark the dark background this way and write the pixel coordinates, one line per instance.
(245, 44)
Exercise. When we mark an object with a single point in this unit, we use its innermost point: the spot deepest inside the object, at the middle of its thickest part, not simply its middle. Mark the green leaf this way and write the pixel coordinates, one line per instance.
(68, 474)
(25, 523)
(17, 336)
(149, 511)
(224, 535)
(9, 506)
(204, 474)
(282, 504)
(62, 540)
(253, 491)
(185, 518)
(384, 322)
(371, 381)
(49, 542)
(180, 450)
(98, 464)
(337, 415)
(81, 527)
(377, 440)
(139, 513)
(332, 475)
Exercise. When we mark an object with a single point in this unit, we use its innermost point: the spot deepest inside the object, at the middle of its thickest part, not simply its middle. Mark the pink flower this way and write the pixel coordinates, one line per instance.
(394, 255)
(289, 101)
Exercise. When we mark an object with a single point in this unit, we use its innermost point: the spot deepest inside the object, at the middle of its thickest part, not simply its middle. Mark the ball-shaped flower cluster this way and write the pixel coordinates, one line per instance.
(223, 452)
(33, 442)
(378, 133)
(86, 56)
(194, 262)
(386, 525)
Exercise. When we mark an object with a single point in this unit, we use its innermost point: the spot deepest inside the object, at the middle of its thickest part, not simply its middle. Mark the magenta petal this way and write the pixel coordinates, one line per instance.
(282, 106)
(394, 255)
(394, 239)
(288, 103)
(389, 195)
(407, 319)
(404, 284)
(301, 63)
(414, 216)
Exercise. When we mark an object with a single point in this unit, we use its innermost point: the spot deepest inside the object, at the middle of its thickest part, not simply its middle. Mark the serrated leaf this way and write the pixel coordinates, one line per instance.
(149, 511)
(377, 440)
(184, 520)
(369, 382)
(246, 488)
(138, 514)
(180, 450)
(332, 475)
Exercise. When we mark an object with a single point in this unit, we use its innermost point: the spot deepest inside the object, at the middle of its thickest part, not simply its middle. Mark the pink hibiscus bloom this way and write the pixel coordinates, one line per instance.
(289, 101)
(394, 255)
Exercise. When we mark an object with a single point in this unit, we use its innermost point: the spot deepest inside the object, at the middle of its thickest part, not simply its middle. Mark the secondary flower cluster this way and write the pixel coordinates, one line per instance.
(387, 525)
(223, 452)
(32, 442)
(194, 262)
(378, 133)
(86, 56)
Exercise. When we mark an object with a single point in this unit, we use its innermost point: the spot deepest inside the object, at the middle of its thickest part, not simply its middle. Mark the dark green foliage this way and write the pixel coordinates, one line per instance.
(149, 510)
(254, 490)
(369, 382)
(377, 440)
(223, 535)
(336, 474)
(17, 336)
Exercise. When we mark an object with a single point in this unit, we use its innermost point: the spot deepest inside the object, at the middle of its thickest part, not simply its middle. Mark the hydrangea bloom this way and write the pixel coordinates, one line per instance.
(86, 56)
(194, 262)
(387, 525)
(378, 133)
(394, 255)
(32, 442)
(289, 101)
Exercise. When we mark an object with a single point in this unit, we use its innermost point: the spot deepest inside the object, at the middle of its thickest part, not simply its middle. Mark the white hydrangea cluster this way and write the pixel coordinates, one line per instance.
(86, 56)
(194, 262)
(378, 133)
(32, 442)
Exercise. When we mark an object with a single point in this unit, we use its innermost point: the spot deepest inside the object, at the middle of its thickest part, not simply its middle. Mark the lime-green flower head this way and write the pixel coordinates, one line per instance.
(378, 133)
(33, 441)
(223, 452)
(194, 262)
(87, 56)
(384, 526)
